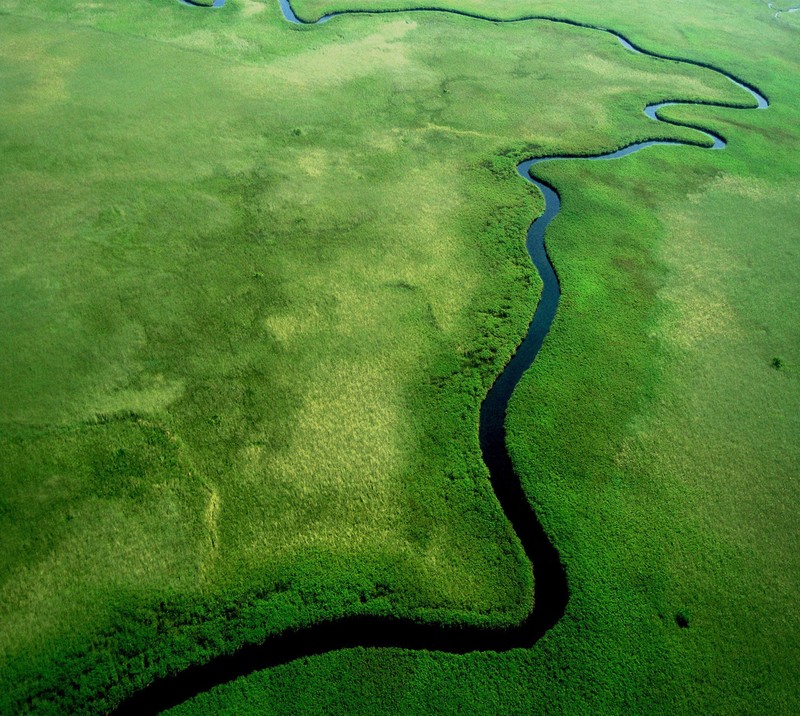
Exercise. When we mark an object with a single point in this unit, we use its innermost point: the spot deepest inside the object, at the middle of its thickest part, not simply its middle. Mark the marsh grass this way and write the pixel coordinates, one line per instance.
(255, 283)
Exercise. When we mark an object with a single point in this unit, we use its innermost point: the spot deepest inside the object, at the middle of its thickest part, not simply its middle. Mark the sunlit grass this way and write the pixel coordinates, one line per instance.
(250, 284)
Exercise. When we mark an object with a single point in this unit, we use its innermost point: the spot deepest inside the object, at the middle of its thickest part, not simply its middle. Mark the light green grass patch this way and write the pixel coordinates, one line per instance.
(250, 280)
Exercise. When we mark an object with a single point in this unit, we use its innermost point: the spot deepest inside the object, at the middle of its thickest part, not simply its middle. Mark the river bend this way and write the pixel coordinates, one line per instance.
(550, 584)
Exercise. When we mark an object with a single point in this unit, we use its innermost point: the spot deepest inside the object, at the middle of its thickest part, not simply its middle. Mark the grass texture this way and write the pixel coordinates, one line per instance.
(256, 280)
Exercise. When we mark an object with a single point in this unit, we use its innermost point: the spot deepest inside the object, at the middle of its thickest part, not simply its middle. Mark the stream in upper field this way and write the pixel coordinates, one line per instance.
(550, 585)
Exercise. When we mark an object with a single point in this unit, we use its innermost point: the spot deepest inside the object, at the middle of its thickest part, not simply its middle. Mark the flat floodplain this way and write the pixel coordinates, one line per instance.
(256, 282)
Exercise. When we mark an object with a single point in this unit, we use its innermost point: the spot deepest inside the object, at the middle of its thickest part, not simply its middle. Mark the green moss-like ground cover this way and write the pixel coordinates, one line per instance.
(256, 280)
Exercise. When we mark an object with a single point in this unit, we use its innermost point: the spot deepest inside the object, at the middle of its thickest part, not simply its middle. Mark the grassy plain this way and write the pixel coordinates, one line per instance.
(242, 349)
(256, 280)
(657, 432)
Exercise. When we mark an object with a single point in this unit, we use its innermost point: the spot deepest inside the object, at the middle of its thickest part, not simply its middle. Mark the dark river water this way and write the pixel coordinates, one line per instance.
(551, 593)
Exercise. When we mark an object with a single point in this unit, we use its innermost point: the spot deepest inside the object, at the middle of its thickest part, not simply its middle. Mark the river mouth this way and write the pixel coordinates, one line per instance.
(551, 591)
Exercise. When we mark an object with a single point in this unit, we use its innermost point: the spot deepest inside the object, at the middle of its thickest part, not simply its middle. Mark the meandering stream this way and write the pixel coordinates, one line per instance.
(551, 592)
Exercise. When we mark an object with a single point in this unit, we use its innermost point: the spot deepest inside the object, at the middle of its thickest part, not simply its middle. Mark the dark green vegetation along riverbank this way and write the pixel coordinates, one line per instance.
(256, 281)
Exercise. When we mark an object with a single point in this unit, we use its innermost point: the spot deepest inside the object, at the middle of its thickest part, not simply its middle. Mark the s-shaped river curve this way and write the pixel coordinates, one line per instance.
(550, 585)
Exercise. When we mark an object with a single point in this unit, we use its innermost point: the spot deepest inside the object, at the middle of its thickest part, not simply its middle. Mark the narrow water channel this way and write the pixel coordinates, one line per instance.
(550, 583)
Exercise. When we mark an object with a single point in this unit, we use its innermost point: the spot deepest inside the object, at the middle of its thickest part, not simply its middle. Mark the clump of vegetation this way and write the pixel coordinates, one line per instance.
(682, 618)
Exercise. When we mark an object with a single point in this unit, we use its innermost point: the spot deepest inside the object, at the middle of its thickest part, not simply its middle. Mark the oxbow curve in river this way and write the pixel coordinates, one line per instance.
(550, 585)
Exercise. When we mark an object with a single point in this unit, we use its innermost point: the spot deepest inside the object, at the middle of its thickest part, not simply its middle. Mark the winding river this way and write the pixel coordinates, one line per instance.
(550, 584)
(771, 6)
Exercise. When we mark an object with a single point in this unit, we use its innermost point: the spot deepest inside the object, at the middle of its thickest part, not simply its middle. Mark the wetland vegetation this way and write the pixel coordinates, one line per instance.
(256, 282)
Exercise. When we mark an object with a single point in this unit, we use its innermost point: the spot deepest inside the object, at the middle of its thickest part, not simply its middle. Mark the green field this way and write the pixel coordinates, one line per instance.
(255, 281)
